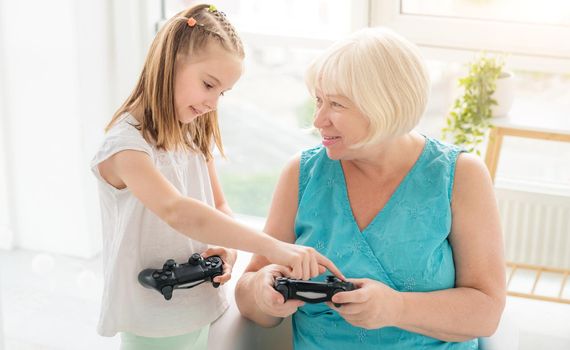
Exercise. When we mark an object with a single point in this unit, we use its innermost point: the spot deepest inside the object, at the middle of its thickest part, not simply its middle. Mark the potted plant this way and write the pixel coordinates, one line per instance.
(470, 116)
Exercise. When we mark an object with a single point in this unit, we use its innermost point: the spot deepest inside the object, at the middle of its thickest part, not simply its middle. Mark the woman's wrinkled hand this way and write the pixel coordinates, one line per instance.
(372, 305)
(269, 300)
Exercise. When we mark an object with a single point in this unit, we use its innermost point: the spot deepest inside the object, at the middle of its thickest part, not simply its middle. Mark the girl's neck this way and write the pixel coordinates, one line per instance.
(137, 113)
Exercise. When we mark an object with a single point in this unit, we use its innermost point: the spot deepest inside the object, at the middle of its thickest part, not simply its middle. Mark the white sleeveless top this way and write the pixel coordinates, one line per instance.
(134, 238)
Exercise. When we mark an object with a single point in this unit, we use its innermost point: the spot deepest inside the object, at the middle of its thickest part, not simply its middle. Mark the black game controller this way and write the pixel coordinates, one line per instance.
(174, 276)
(311, 292)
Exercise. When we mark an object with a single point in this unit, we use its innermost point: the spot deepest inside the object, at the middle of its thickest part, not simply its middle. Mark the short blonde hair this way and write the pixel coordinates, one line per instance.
(382, 73)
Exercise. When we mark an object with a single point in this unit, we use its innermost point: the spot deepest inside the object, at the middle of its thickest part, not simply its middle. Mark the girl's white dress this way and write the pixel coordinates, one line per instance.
(134, 238)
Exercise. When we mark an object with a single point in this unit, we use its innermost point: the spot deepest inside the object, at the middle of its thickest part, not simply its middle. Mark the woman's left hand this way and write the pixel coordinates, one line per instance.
(228, 257)
(372, 305)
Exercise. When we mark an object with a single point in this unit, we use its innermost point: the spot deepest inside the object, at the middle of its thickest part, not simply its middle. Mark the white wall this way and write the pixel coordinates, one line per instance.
(57, 91)
(5, 228)
(65, 66)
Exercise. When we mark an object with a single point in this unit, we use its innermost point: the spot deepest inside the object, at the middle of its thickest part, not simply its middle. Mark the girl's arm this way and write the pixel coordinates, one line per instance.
(228, 255)
(473, 308)
(254, 293)
(219, 197)
(135, 170)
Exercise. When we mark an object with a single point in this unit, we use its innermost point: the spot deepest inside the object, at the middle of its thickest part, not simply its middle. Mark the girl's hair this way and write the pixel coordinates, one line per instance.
(154, 91)
(382, 73)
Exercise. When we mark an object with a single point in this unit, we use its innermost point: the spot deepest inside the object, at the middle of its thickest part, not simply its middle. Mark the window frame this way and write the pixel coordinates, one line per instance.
(528, 46)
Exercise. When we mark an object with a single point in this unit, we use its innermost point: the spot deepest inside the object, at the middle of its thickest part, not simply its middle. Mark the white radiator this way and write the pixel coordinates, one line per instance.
(536, 226)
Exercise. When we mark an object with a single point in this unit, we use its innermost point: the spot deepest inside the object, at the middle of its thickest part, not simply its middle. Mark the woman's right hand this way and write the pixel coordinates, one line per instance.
(303, 262)
(268, 300)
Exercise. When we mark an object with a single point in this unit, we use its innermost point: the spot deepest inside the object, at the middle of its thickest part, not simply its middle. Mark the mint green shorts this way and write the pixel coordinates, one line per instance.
(197, 340)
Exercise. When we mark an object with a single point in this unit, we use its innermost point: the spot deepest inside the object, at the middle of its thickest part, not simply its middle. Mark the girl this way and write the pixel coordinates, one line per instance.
(158, 185)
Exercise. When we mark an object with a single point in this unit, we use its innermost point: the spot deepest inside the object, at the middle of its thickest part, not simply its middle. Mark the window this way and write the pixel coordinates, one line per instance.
(536, 34)
(265, 118)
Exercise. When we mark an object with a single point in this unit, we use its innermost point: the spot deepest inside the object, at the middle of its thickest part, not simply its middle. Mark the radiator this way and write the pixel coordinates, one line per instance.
(536, 226)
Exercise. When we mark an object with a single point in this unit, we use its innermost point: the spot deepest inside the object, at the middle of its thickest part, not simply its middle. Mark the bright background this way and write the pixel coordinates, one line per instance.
(65, 66)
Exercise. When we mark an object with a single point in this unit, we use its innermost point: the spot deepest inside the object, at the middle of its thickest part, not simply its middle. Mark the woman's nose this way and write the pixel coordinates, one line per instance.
(321, 118)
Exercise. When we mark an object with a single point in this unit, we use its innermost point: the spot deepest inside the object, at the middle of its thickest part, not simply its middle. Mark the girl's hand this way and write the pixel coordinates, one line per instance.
(373, 305)
(228, 257)
(303, 262)
(269, 300)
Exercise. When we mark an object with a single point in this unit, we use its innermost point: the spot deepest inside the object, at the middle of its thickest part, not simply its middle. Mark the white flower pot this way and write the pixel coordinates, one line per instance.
(504, 94)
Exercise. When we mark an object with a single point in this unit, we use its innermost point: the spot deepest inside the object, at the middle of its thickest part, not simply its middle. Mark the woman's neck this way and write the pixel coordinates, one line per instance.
(388, 157)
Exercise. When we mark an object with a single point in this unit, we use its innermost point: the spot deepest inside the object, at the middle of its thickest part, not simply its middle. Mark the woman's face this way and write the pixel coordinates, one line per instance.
(202, 79)
(341, 125)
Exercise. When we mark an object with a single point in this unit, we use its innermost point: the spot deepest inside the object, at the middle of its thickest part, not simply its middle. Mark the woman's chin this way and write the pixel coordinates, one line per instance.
(333, 154)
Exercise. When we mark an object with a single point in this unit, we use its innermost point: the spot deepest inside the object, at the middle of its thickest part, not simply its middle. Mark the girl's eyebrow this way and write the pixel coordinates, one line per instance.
(217, 80)
(213, 77)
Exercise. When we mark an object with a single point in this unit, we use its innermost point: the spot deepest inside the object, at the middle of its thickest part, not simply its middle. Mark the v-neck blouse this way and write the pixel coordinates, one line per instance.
(405, 246)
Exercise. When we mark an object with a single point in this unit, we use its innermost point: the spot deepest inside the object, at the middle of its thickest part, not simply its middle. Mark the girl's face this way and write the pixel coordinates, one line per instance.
(201, 80)
(340, 123)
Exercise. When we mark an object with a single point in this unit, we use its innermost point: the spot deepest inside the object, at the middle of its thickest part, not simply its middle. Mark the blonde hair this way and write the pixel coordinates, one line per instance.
(382, 73)
(154, 91)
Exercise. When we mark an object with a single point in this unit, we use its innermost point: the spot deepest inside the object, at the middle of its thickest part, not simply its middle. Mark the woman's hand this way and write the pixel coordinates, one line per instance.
(270, 301)
(303, 262)
(373, 305)
(228, 256)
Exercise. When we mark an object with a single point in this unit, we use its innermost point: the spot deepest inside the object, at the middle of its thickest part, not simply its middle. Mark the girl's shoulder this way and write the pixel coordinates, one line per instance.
(123, 135)
(126, 125)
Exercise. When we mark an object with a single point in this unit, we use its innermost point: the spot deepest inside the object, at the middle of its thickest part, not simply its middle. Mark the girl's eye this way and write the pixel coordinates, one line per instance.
(208, 86)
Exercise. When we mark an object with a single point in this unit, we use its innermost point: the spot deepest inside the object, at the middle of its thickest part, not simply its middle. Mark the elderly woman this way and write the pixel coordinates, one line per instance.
(413, 221)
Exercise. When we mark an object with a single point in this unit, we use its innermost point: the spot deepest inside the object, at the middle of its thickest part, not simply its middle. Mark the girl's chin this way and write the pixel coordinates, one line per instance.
(187, 119)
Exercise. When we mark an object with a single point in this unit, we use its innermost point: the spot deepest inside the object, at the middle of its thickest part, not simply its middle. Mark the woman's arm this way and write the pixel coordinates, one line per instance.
(254, 299)
(199, 221)
(472, 309)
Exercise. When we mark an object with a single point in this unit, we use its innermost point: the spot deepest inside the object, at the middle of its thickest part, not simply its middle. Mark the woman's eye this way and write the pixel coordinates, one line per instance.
(318, 100)
(336, 104)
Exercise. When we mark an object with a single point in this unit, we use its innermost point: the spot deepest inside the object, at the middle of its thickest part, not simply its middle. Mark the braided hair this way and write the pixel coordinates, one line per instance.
(154, 92)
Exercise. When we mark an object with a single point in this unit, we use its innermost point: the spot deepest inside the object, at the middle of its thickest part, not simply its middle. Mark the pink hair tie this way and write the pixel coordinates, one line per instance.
(191, 22)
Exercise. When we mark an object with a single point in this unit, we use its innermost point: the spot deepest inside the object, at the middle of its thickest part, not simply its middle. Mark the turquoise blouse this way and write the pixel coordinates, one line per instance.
(405, 246)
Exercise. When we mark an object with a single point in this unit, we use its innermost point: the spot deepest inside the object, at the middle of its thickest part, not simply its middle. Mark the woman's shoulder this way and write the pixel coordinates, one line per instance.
(441, 147)
(312, 154)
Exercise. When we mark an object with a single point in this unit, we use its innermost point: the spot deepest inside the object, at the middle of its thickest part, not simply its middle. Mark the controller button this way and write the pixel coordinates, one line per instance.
(331, 278)
(170, 263)
(168, 273)
(164, 277)
(156, 275)
(195, 259)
